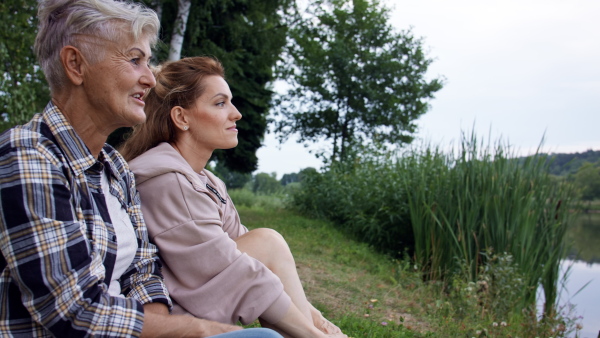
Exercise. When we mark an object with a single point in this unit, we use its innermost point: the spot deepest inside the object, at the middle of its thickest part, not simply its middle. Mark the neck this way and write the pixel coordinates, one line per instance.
(92, 135)
(194, 155)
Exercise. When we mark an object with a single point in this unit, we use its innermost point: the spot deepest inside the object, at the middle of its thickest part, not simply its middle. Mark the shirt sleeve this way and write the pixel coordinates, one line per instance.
(143, 280)
(205, 272)
(56, 269)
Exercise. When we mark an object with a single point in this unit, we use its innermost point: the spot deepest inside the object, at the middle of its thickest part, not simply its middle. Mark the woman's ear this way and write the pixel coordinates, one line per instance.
(180, 118)
(73, 64)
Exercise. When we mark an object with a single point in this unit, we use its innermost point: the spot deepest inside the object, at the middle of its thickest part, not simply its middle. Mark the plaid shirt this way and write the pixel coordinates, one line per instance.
(58, 245)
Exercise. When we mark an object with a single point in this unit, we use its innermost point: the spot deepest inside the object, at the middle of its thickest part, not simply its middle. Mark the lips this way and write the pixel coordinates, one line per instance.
(138, 96)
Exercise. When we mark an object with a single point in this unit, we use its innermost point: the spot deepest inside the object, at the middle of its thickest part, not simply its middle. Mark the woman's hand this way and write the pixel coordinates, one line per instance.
(159, 323)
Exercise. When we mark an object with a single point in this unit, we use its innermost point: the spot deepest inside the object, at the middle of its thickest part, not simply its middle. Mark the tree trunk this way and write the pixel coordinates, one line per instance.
(344, 141)
(183, 11)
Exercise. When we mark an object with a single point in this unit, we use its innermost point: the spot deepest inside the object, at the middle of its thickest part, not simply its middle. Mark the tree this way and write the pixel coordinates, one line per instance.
(297, 177)
(352, 78)
(232, 179)
(183, 12)
(289, 178)
(587, 179)
(247, 37)
(23, 89)
(266, 184)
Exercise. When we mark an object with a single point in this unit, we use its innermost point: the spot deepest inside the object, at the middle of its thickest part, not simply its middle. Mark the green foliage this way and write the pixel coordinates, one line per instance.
(450, 209)
(232, 179)
(482, 198)
(350, 283)
(23, 91)
(353, 79)
(247, 37)
(583, 233)
(492, 306)
(587, 179)
(296, 177)
(246, 198)
(264, 183)
(289, 178)
(567, 164)
(496, 293)
(363, 327)
(366, 199)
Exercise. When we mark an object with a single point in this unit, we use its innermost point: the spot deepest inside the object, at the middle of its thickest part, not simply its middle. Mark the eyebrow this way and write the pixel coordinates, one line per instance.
(141, 52)
(220, 94)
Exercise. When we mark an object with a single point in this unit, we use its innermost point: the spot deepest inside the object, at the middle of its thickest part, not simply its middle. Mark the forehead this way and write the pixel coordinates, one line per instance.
(215, 84)
(125, 44)
(129, 45)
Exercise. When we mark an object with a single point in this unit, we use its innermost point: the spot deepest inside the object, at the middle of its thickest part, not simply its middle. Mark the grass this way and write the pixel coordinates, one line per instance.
(368, 294)
(472, 215)
(355, 287)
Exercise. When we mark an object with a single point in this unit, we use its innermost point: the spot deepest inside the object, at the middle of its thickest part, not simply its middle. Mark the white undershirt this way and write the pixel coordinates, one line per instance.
(126, 239)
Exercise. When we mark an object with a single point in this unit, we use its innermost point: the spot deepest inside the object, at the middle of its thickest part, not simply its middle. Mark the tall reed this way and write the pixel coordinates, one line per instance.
(480, 198)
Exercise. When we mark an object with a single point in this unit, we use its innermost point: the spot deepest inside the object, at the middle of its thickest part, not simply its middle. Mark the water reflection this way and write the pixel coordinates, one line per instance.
(584, 235)
(586, 300)
(584, 260)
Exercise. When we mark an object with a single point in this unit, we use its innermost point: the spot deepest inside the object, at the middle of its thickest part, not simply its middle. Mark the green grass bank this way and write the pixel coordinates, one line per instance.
(369, 294)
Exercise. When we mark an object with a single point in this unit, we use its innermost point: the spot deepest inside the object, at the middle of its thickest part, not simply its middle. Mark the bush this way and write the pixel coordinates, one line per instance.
(446, 210)
(246, 198)
(266, 184)
(367, 200)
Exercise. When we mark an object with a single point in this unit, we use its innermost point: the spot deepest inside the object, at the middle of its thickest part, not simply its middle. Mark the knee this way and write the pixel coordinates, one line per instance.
(272, 241)
(270, 236)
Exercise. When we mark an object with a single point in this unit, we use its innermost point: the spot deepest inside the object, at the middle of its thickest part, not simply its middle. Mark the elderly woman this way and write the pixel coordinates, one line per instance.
(76, 260)
(214, 267)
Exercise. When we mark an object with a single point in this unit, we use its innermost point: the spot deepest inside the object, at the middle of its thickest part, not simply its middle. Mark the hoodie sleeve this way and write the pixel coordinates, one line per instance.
(204, 271)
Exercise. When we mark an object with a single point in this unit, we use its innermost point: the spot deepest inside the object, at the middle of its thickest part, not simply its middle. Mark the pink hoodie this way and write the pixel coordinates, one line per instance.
(205, 273)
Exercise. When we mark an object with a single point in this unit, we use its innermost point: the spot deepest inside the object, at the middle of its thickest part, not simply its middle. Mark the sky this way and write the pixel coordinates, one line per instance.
(516, 71)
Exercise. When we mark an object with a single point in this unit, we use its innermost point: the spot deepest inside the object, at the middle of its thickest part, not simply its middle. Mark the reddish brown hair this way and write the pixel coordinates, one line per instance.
(178, 83)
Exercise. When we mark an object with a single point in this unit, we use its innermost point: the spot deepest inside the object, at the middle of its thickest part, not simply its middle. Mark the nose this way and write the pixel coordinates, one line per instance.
(147, 79)
(236, 114)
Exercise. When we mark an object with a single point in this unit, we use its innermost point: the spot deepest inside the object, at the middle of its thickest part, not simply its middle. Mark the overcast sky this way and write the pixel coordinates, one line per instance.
(520, 69)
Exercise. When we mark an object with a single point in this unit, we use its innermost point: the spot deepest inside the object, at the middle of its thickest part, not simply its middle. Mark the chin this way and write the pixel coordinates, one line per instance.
(230, 146)
(137, 119)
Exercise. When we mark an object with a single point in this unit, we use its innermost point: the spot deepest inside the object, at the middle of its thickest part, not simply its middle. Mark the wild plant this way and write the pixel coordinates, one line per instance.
(482, 198)
(366, 198)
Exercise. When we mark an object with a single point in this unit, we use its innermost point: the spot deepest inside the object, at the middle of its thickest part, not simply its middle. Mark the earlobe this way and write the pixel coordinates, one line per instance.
(179, 117)
(72, 62)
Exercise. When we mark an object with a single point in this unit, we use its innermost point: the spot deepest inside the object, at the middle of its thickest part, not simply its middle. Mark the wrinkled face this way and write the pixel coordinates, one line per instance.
(213, 117)
(115, 85)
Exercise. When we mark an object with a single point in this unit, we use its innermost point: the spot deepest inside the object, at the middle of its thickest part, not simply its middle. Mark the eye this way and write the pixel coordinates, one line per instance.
(221, 104)
(135, 61)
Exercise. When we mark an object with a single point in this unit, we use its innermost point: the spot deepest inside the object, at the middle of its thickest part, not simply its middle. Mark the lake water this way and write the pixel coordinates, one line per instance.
(584, 263)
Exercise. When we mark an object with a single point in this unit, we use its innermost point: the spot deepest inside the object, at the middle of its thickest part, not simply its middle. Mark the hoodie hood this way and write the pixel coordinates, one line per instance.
(164, 159)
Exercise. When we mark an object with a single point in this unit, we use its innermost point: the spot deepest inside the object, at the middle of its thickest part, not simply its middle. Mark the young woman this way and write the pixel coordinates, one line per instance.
(214, 267)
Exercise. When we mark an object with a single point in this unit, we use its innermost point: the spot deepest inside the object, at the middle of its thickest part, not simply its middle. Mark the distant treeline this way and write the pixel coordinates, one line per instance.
(568, 164)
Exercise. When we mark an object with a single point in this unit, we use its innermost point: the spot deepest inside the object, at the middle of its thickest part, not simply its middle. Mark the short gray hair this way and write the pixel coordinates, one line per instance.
(60, 21)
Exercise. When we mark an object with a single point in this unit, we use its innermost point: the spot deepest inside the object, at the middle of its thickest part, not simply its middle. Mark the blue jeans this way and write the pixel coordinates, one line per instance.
(249, 333)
